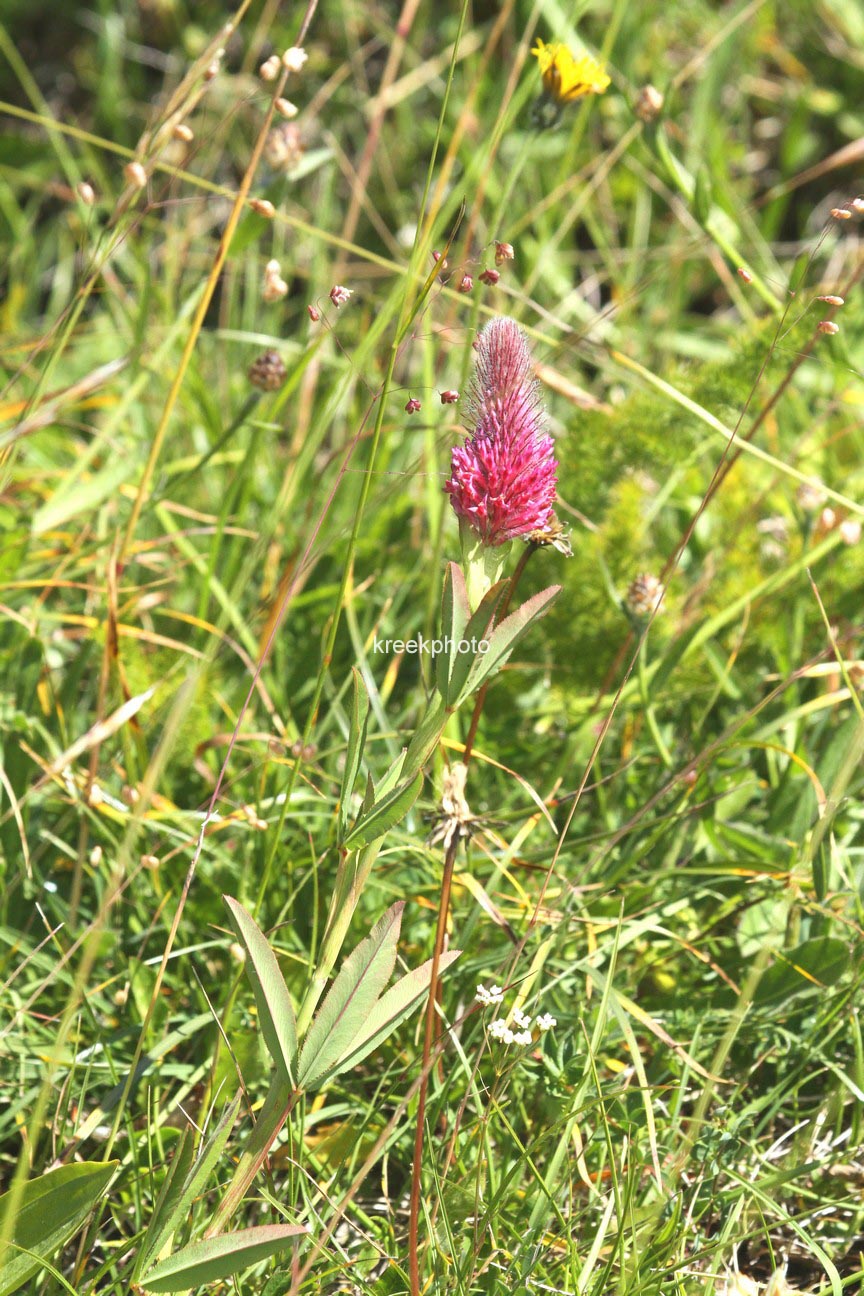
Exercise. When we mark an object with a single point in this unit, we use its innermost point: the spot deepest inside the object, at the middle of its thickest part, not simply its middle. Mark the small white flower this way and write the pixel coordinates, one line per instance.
(500, 1030)
(493, 995)
(522, 1037)
(850, 531)
(294, 58)
(521, 1019)
(546, 1021)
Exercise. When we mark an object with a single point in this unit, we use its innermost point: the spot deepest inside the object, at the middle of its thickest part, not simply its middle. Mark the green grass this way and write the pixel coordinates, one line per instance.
(669, 856)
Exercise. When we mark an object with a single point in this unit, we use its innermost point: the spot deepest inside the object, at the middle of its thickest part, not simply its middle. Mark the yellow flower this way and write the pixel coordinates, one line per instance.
(566, 78)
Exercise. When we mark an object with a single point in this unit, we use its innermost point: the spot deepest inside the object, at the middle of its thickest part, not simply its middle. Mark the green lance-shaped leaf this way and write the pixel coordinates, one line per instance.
(220, 1257)
(427, 735)
(504, 638)
(49, 1211)
(275, 1010)
(384, 813)
(351, 876)
(357, 725)
(351, 999)
(389, 1012)
(388, 781)
(478, 629)
(455, 614)
(183, 1184)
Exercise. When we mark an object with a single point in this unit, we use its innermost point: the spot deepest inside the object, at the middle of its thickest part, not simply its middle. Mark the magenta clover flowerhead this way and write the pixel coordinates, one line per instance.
(502, 478)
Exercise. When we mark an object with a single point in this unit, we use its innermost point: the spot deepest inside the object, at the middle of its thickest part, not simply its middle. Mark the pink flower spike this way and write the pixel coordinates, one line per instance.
(449, 397)
(502, 479)
(412, 406)
(339, 295)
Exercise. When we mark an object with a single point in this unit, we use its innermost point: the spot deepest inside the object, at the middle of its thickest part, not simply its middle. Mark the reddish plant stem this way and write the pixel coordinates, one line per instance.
(440, 933)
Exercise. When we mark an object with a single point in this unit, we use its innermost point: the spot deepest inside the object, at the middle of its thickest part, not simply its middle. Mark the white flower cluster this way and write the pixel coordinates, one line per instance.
(501, 1031)
(490, 996)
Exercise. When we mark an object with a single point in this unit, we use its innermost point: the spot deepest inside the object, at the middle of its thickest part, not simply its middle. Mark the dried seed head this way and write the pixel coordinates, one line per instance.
(275, 289)
(267, 372)
(275, 286)
(553, 536)
(135, 174)
(412, 406)
(270, 68)
(150, 862)
(466, 283)
(262, 207)
(454, 820)
(644, 595)
(841, 213)
(745, 275)
(339, 295)
(832, 300)
(441, 262)
(286, 108)
(284, 146)
(86, 193)
(810, 496)
(183, 132)
(503, 252)
(649, 104)
(857, 205)
(490, 277)
(212, 71)
(828, 326)
(294, 58)
(850, 531)
(827, 519)
(313, 313)
(449, 397)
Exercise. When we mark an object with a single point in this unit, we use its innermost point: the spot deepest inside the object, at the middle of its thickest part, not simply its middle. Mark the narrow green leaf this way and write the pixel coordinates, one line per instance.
(388, 781)
(220, 1257)
(389, 1012)
(812, 965)
(275, 1010)
(478, 628)
(427, 735)
(50, 1211)
(455, 614)
(384, 814)
(351, 999)
(169, 1195)
(504, 638)
(174, 1205)
(357, 726)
